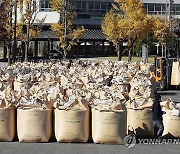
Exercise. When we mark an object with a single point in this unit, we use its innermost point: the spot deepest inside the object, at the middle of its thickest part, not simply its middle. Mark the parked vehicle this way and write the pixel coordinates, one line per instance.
(163, 69)
(54, 54)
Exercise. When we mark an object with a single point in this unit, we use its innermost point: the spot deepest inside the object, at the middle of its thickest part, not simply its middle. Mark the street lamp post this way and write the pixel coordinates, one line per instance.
(171, 41)
(65, 26)
(157, 45)
(170, 21)
(15, 39)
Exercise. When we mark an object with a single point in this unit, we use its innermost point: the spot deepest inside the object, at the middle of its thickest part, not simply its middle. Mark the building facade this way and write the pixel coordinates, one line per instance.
(90, 14)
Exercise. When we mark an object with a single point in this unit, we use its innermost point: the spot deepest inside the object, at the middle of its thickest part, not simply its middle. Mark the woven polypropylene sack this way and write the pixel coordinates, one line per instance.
(108, 127)
(71, 126)
(140, 122)
(171, 125)
(175, 75)
(7, 124)
(34, 125)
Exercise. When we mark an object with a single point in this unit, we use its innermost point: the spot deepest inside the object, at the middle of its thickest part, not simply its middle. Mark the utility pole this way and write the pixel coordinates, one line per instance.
(169, 18)
(68, 8)
(170, 45)
(65, 26)
(15, 39)
(169, 15)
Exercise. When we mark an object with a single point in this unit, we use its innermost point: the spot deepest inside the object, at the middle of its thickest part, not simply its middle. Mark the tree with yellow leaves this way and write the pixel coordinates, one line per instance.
(7, 25)
(65, 29)
(126, 22)
(160, 29)
(3, 18)
(26, 27)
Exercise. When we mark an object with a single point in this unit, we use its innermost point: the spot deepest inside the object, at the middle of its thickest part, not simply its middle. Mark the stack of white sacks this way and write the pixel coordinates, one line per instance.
(171, 119)
(39, 90)
(7, 110)
(139, 105)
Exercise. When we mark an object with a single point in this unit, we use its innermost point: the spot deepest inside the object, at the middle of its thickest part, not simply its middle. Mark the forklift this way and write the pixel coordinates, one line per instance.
(163, 67)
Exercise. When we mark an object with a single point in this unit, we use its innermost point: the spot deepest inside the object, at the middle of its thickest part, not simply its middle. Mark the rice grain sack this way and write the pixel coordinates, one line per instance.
(171, 125)
(124, 88)
(17, 85)
(4, 85)
(108, 127)
(71, 126)
(34, 125)
(147, 67)
(140, 122)
(7, 124)
(175, 76)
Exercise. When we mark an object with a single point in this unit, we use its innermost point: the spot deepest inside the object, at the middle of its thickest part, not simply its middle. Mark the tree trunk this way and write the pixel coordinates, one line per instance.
(9, 56)
(130, 55)
(36, 49)
(9, 47)
(23, 48)
(5, 50)
(119, 52)
(65, 54)
(26, 51)
(147, 53)
(27, 43)
(162, 50)
(65, 50)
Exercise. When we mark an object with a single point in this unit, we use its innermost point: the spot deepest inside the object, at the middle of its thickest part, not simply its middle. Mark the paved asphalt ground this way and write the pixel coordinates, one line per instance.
(86, 148)
(91, 148)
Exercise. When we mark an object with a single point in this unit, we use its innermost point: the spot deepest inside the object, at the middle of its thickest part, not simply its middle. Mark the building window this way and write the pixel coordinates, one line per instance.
(173, 9)
(104, 7)
(84, 16)
(45, 6)
(146, 7)
(161, 8)
(164, 8)
(78, 6)
(97, 7)
(84, 6)
(151, 8)
(177, 9)
(158, 8)
(109, 6)
(90, 6)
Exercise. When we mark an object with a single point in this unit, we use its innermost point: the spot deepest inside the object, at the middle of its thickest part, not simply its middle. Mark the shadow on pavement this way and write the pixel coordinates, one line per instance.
(167, 93)
(4, 60)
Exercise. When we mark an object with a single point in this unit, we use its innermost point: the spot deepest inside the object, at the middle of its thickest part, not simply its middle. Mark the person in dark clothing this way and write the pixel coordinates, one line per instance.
(108, 81)
(157, 117)
(69, 64)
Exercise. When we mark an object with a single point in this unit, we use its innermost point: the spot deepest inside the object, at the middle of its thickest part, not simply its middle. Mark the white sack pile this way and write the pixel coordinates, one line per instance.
(171, 119)
(175, 74)
(141, 95)
(71, 116)
(139, 105)
(7, 97)
(70, 86)
(169, 105)
(7, 102)
(42, 84)
(146, 67)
